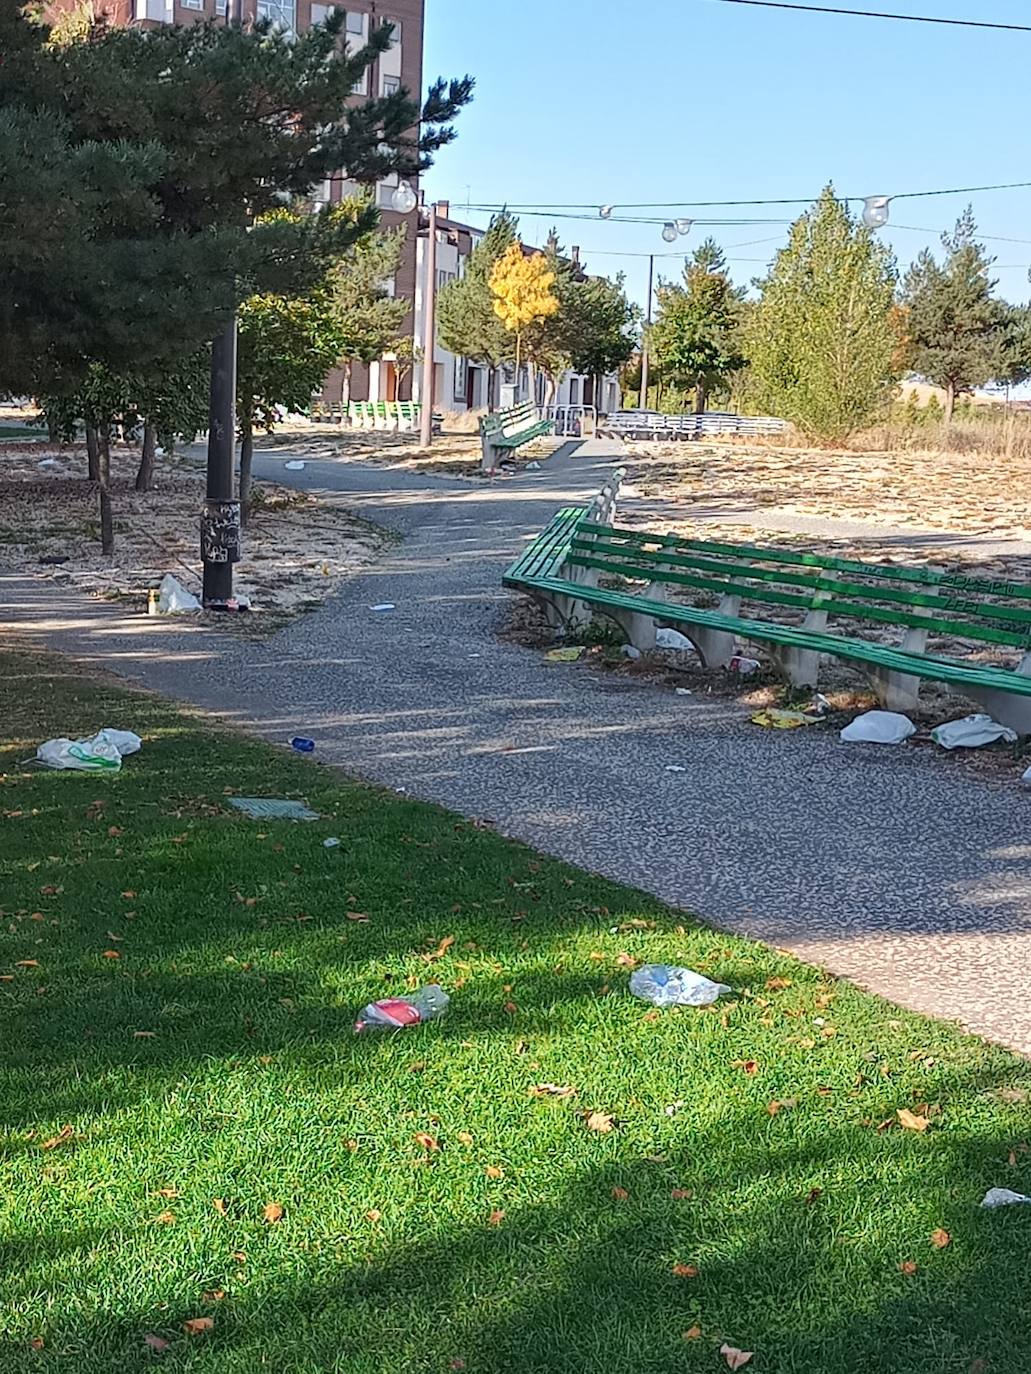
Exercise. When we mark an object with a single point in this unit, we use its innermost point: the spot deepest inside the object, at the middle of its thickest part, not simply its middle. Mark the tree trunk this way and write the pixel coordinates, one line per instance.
(345, 388)
(700, 396)
(492, 373)
(107, 526)
(950, 402)
(145, 471)
(532, 368)
(92, 454)
(246, 459)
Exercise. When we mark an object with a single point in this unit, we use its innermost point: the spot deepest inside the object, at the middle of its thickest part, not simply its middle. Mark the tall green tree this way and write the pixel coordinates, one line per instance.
(466, 321)
(696, 338)
(821, 339)
(957, 327)
(367, 315)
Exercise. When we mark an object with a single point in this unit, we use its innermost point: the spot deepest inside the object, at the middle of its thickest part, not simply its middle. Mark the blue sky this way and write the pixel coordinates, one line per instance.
(608, 101)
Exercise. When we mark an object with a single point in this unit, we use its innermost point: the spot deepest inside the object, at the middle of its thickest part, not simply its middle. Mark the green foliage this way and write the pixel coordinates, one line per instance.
(466, 320)
(368, 319)
(822, 340)
(286, 347)
(958, 329)
(601, 325)
(697, 336)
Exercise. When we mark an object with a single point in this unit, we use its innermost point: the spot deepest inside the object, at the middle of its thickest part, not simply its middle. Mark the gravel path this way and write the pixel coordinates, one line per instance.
(892, 867)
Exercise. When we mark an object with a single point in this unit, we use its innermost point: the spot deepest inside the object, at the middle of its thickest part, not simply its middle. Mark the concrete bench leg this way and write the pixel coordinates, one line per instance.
(1005, 707)
(801, 667)
(899, 691)
(714, 647)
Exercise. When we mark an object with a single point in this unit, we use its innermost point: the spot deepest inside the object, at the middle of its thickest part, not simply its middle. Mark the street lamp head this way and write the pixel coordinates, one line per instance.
(669, 232)
(684, 226)
(875, 211)
(605, 211)
(404, 200)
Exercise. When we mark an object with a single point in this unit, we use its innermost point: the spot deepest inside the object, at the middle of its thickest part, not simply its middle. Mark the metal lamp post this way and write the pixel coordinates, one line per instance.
(429, 332)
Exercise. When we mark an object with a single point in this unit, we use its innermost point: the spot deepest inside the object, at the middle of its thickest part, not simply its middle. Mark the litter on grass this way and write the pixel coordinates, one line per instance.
(1002, 1197)
(971, 732)
(331, 843)
(879, 727)
(565, 655)
(665, 985)
(102, 753)
(394, 1013)
(775, 719)
(273, 809)
(173, 597)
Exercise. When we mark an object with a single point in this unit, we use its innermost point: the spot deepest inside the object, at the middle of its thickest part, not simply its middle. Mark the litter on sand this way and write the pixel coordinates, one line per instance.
(783, 720)
(971, 732)
(173, 597)
(665, 985)
(672, 639)
(102, 753)
(295, 465)
(393, 1013)
(533, 467)
(384, 606)
(565, 655)
(879, 727)
(1003, 1197)
(273, 809)
(683, 691)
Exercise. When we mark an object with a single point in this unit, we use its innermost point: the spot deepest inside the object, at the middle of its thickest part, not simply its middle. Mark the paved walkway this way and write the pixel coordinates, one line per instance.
(897, 869)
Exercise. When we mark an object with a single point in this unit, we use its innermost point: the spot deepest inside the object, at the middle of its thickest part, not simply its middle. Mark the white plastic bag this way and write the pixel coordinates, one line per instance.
(102, 753)
(125, 741)
(970, 732)
(295, 465)
(666, 986)
(671, 639)
(173, 597)
(879, 727)
(1002, 1197)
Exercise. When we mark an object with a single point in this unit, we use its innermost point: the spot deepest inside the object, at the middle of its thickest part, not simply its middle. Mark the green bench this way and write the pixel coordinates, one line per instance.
(564, 567)
(506, 430)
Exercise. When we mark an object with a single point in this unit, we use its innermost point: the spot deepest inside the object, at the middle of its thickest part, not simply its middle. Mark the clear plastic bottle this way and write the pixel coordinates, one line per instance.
(665, 985)
(393, 1013)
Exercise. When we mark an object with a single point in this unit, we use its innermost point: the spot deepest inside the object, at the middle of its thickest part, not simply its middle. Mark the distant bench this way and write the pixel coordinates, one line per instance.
(503, 431)
(650, 424)
(563, 565)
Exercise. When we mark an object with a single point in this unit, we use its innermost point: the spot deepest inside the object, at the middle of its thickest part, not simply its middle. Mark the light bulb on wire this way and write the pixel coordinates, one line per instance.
(684, 226)
(669, 231)
(404, 199)
(605, 211)
(875, 211)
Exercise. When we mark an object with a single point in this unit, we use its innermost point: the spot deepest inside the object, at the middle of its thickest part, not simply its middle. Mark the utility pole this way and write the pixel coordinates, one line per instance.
(644, 341)
(429, 332)
(220, 521)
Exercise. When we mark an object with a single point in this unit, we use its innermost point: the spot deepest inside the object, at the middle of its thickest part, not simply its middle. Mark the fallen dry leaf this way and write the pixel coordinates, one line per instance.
(427, 1142)
(63, 1136)
(357, 916)
(734, 1358)
(143, 1035)
(213, 1294)
(50, 891)
(686, 1271)
(910, 1121)
(681, 1194)
(196, 1325)
(219, 1204)
(552, 1090)
(36, 1343)
(781, 1105)
(620, 1194)
(941, 1239)
(157, 1343)
(464, 1138)
(496, 1217)
(813, 1195)
(166, 1192)
(272, 1212)
(626, 960)
(600, 1121)
(692, 1333)
(510, 1008)
(1013, 1094)
(494, 1171)
(112, 954)
(128, 896)
(777, 984)
(165, 1218)
(440, 951)
(908, 1267)
(26, 963)
(373, 1215)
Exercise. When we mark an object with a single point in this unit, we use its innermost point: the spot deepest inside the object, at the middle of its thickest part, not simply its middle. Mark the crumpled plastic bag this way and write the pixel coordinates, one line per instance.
(672, 639)
(102, 753)
(173, 597)
(783, 720)
(665, 985)
(971, 732)
(879, 727)
(565, 655)
(1002, 1197)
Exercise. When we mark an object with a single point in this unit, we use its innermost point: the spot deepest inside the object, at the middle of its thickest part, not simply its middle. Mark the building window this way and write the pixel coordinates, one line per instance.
(192, 4)
(461, 375)
(395, 37)
(361, 85)
(391, 84)
(355, 22)
(221, 6)
(283, 13)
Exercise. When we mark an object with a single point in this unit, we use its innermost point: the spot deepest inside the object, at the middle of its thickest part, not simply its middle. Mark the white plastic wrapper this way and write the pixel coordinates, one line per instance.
(102, 753)
(971, 732)
(672, 639)
(879, 727)
(1003, 1197)
(664, 985)
(173, 597)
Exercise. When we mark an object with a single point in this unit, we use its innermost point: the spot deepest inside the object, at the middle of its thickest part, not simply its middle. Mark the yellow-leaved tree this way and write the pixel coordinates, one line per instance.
(521, 285)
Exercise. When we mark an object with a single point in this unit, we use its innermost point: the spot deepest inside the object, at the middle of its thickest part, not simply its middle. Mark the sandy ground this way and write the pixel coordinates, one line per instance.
(297, 548)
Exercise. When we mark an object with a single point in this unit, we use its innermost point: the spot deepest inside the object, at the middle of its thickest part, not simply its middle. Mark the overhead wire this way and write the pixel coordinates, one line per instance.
(882, 14)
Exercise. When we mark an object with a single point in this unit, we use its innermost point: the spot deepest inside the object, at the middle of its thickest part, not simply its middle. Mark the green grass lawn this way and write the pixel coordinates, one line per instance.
(213, 1062)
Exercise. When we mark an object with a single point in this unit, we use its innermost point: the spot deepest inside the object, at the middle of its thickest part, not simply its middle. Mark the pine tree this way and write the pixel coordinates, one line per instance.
(466, 321)
(822, 340)
(957, 326)
(696, 337)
